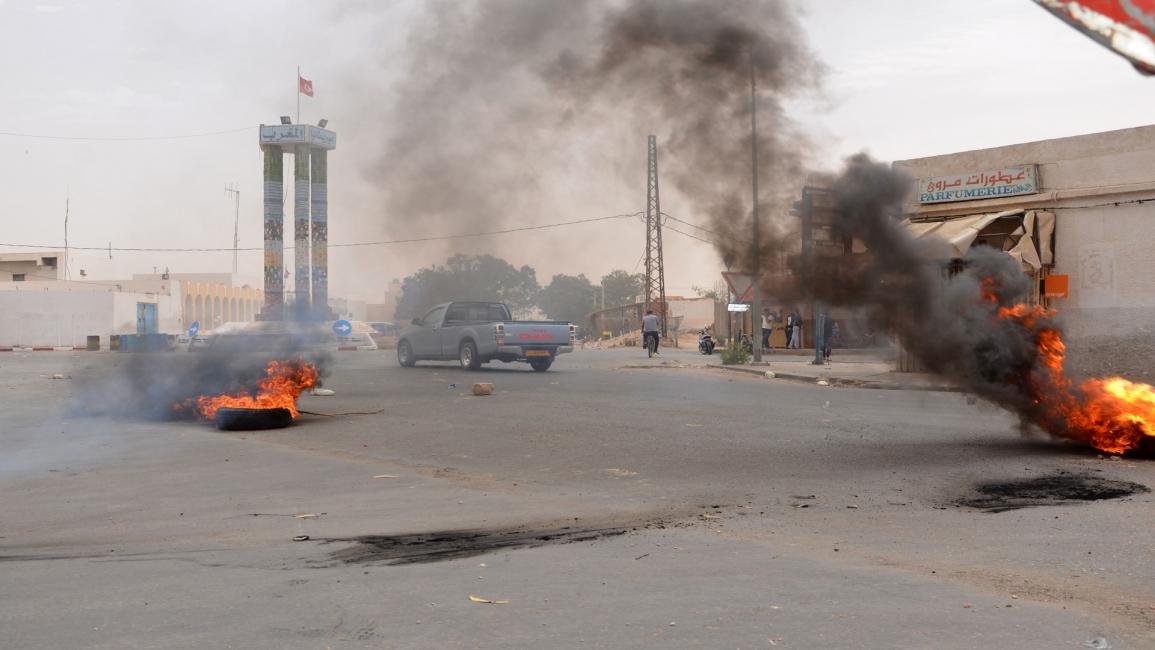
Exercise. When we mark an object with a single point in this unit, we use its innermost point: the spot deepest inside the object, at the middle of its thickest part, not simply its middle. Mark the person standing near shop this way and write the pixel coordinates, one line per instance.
(796, 335)
(767, 327)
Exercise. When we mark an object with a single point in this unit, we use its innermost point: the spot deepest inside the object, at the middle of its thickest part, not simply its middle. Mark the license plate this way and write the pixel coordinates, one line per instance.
(537, 353)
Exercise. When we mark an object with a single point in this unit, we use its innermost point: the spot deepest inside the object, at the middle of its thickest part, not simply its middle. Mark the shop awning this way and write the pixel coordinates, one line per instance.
(1025, 235)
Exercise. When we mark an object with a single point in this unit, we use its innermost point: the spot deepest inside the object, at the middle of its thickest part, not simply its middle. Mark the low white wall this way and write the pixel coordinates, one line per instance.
(67, 318)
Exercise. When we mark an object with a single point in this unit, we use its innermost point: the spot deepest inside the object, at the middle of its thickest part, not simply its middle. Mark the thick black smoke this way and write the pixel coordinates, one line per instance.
(944, 313)
(509, 101)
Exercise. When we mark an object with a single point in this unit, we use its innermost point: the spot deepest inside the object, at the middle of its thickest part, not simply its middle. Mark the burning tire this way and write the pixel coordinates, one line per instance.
(250, 419)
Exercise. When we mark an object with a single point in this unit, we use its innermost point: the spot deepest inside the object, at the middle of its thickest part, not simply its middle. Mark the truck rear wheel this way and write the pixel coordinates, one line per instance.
(541, 365)
(405, 355)
(468, 356)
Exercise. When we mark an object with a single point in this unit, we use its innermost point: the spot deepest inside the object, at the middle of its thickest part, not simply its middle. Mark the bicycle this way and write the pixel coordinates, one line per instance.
(651, 342)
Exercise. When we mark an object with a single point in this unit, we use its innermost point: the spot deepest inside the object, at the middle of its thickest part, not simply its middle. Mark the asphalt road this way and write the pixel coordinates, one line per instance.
(614, 503)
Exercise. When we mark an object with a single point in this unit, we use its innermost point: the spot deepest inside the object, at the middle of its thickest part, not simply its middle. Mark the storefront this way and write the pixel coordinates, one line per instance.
(1078, 210)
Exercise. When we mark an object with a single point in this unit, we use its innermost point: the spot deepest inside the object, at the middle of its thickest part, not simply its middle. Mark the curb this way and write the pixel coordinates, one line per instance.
(840, 381)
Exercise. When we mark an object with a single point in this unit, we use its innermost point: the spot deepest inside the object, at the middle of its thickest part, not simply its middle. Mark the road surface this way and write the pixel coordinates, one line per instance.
(614, 502)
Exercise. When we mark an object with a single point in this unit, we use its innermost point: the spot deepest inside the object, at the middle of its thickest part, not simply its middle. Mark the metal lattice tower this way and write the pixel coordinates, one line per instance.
(655, 269)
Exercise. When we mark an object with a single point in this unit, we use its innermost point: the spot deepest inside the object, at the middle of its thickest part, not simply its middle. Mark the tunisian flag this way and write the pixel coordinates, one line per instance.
(1125, 26)
(304, 85)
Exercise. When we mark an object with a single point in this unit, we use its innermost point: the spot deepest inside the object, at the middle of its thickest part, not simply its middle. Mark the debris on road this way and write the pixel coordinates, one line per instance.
(1098, 643)
(59, 376)
(385, 476)
(451, 387)
(621, 472)
(481, 389)
(306, 515)
(323, 392)
(301, 538)
(479, 599)
(333, 415)
(710, 516)
(822, 382)
(770, 374)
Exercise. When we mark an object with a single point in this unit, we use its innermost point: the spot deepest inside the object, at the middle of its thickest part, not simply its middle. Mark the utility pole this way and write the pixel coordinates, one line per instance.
(655, 269)
(755, 252)
(234, 190)
(67, 270)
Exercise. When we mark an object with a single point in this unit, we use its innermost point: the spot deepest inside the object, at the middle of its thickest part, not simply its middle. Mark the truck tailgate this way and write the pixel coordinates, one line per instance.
(544, 334)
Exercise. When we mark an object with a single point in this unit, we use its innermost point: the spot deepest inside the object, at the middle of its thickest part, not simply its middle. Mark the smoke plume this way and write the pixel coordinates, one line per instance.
(511, 111)
(945, 316)
(154, 385)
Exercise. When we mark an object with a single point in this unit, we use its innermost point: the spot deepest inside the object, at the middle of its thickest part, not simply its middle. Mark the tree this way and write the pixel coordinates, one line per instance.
(568, 298)
(622, 288)
(483, 278)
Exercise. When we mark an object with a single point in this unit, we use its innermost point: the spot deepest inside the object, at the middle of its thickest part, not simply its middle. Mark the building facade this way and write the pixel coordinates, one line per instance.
(1100, 189)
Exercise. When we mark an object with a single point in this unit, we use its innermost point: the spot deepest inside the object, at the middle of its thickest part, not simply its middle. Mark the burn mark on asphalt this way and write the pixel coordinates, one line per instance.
(438, 546)
(1052, 490)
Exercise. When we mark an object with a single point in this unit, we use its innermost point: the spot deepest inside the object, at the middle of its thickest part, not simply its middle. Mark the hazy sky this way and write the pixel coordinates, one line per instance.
(906, 78)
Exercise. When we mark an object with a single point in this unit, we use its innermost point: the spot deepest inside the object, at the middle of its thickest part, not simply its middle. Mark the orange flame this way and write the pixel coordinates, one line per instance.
(1111, 414)
(283, 383)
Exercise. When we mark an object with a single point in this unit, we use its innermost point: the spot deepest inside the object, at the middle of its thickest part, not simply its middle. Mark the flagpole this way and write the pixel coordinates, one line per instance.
(298, 94)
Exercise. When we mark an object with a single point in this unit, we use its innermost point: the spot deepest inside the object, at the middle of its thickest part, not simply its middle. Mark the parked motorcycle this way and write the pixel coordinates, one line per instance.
(705, 342)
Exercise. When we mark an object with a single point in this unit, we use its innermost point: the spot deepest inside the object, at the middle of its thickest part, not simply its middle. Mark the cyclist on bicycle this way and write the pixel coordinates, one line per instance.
(650, 330)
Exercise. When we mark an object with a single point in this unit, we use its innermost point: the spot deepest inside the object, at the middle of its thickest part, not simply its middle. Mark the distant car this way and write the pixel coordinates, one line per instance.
(361, 341)
(384, 328)
(200, 342)
(477, 332)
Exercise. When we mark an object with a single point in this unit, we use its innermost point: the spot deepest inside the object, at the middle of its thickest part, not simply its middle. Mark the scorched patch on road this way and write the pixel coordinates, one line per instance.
(1053, 490)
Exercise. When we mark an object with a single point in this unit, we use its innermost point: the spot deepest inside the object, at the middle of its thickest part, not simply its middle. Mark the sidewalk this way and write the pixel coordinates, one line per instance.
(852, 368)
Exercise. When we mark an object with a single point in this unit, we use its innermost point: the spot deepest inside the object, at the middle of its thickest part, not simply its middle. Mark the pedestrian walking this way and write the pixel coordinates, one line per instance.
(828, 327)
(788, 330)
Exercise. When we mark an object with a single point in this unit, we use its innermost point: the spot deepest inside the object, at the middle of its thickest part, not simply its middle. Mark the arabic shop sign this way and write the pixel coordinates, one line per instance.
(1011, 181)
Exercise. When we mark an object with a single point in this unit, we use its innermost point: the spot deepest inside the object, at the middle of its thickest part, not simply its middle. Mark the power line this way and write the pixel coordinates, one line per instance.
(686, 234)
(146, 138)
(692, 225)
(346, 245)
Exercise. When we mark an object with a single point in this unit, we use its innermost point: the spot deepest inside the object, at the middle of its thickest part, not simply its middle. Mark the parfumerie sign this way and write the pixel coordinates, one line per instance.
(998, 183)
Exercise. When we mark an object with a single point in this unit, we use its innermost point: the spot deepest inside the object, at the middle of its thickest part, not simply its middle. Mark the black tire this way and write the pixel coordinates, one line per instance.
(468, 356)
(405, 355)
(244, 419)
(541, 365)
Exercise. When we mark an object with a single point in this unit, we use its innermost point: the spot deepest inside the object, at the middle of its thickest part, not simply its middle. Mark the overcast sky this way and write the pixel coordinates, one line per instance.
(906, 78)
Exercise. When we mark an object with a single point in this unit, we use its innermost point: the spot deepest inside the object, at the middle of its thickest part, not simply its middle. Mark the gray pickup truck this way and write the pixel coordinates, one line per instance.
(478, 332)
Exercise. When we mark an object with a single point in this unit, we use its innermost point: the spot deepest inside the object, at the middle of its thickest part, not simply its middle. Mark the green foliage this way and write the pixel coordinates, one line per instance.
(707, 293)
(735, 354)
(567, 298)
(482, 278)
(622, 288)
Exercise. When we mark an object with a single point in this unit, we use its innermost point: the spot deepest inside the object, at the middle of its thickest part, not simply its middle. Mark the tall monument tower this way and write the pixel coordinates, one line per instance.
(309, 146)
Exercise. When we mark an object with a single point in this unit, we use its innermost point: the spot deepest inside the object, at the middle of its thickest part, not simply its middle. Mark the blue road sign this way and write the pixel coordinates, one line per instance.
(343, 327)
(194, 328)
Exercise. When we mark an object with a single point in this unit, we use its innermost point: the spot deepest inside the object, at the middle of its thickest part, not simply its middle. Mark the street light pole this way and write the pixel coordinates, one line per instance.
(755, 271)
(236, 192)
